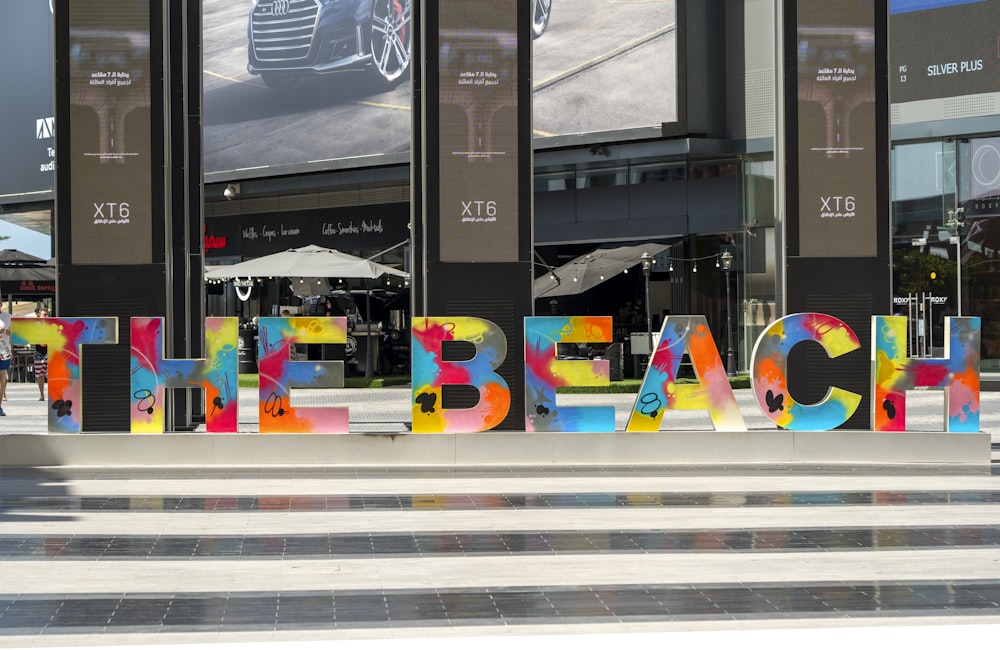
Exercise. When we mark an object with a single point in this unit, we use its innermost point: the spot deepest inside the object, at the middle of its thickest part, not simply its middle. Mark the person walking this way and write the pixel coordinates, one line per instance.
(5, 353)
(41, 359)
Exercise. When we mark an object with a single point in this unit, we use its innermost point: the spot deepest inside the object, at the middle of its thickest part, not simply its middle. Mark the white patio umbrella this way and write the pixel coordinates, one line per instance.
(306, 262)
(587, 271)
(309, 262)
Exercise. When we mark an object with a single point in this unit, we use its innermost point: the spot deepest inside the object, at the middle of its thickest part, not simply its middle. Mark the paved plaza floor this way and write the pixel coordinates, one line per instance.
(545, 556)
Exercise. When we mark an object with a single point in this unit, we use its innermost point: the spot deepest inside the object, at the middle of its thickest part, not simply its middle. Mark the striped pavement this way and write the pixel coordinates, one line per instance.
(376, 556)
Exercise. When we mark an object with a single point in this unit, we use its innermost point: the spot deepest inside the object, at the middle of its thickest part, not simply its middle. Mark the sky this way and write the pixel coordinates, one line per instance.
(26, 240)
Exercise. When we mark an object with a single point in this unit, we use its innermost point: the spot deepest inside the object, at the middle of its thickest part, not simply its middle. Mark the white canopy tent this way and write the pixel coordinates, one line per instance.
(307, 262)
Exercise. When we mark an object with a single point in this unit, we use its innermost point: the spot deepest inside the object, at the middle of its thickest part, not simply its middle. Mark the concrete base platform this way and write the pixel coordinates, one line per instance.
(498, 449)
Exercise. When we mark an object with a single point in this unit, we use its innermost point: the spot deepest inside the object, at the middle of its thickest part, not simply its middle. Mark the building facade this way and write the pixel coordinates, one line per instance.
(654, 122)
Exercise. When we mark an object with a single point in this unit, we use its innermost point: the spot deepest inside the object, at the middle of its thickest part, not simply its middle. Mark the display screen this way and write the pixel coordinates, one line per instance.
(296, 82)
(477, 127)
(943, 50)
(333, 89)
(109, 132)
(26, 71)
(836, 128)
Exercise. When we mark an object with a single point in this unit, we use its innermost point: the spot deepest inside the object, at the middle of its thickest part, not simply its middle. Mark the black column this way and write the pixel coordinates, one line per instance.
(472, 224)
(128, 185)
(836, 179)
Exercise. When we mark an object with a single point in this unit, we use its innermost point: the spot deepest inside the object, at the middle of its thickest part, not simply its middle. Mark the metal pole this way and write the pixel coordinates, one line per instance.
(958, 261)
(368, 342)
(730, 361)
(923, 326)
(647, 268)
(956, 221)
(930, 324)
(649, 318)
(726, 261)
(911, 323)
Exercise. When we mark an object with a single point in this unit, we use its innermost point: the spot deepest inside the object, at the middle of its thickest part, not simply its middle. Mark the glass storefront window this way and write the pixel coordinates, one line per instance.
(657, 173)
(555, 181)
(924, 177)
(758, 306)
(931, 183)
(601, 177)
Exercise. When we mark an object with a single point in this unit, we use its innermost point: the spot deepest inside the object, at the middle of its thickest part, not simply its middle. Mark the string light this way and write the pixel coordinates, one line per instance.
(694, 261)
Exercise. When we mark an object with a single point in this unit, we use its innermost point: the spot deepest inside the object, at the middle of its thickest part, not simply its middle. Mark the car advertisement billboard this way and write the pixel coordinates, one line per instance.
(27, 130)
(325, 83)
(293, 82)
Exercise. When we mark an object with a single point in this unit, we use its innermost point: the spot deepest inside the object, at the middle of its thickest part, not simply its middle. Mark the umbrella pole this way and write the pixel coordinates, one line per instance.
(368, 343)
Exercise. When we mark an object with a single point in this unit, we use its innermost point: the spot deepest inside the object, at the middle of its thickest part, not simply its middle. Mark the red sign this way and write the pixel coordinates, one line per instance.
(30, 286)
(213, 242)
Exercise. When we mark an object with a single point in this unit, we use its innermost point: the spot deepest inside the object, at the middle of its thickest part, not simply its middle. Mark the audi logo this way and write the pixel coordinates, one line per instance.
(280, 7)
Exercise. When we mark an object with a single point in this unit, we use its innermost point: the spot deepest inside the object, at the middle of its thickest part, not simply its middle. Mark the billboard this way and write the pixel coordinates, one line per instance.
(109, 129)
(478, 128)
(289, 83)
(293, 82)
(27, 130)
(836, 135)
(944, 58)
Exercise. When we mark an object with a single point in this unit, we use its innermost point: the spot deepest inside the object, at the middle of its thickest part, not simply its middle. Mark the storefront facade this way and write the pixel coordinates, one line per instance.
(683, 158)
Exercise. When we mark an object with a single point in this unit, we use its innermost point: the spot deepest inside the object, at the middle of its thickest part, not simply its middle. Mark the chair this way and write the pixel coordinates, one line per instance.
(614, 356)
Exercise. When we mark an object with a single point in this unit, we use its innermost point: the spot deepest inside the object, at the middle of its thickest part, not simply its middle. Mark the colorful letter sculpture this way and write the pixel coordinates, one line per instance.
(437, 341)
(894, 373)
(430, 373)
(543, 372)
(770, 374)
(64, 338)
(216, 374)
(278, 374)
(661, 392)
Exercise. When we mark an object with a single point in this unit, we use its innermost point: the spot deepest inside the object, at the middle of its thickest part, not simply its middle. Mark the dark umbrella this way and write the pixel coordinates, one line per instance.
(588, 271)
(12, 256)
(22, 274)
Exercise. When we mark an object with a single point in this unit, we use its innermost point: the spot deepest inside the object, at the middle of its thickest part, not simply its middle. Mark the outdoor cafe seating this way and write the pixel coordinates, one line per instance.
(22, 365)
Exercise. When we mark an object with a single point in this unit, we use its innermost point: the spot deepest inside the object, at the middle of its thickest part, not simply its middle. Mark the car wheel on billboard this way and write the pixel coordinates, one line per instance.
(540, 17)
(391, 40)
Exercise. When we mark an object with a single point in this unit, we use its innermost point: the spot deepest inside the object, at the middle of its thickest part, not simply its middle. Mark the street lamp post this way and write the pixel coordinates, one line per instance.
(919, 322)
(956, 220)
(727, 263)
(647, 268)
